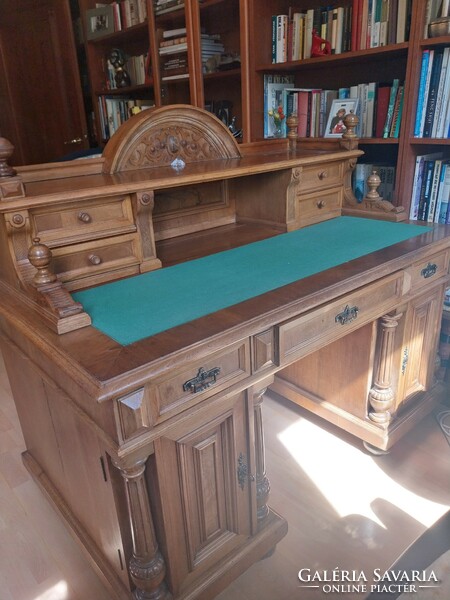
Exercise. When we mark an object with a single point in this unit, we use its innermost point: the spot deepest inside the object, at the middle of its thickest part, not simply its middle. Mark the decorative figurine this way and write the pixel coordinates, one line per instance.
(118, 59)
(319, 46)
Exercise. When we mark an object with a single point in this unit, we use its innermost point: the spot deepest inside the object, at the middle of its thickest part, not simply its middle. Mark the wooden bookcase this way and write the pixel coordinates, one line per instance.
(221, 90)
(245, 28)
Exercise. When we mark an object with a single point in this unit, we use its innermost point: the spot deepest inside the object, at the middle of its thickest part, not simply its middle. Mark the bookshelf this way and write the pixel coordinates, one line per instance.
(193, 50)
(244, 30)
(399, 60)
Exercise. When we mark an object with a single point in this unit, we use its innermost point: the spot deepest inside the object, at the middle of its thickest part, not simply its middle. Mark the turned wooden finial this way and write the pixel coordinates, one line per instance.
(40, 257)
(292, 125)
(350, 121)
(373, 183)
(6, 150)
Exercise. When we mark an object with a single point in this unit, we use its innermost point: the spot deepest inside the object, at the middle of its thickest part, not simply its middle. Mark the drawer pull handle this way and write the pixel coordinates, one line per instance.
(348, 315)
(202, 380)
(242, 471)
(429, 270)
(323, 175)
(84, 217)
(321, 204)
(94, 259)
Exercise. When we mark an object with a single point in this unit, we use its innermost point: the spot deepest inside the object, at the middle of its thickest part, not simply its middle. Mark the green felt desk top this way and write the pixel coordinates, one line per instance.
(132, 309)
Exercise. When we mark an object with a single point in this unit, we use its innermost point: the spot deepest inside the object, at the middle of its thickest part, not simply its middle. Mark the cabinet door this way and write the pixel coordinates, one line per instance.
(199, 484)
(418, 357)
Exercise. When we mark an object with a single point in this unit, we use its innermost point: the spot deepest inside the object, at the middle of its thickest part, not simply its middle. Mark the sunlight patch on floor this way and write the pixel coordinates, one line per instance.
(350, 479)
(57, 592)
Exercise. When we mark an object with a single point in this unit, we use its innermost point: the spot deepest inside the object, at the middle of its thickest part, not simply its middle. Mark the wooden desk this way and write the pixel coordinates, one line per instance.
(153, 452)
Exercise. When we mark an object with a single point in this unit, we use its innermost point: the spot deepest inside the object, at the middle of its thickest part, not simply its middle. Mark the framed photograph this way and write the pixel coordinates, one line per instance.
(99, 21)
(335, 123)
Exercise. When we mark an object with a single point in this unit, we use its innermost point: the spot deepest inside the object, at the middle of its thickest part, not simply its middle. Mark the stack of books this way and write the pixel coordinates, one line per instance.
(164, 6)
(433, 101)
(431, 189)
(173, 51)
(211, 46)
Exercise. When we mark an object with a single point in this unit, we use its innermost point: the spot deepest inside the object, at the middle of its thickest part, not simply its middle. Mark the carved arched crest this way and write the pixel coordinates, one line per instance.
(156, 137)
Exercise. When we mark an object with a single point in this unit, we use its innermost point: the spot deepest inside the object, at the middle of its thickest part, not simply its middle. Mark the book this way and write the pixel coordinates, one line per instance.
(281, 46)
(417, 182)
(273, 99)
(426, 90)
(444, 112)
(397, 115)
(434, 191)
(442, 207)
(425, 190)
(421, 91)
(432, 93)
(307, 35)
(390, 111)
(440, 93)
(383, 94)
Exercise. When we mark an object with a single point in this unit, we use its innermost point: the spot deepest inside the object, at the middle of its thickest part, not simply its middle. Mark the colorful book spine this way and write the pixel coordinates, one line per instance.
(421, 92)
(390, 112)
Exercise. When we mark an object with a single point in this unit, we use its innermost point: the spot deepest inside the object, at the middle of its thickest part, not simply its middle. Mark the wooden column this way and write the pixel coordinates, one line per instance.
(262, 481)
(147, 567)
(381, 395)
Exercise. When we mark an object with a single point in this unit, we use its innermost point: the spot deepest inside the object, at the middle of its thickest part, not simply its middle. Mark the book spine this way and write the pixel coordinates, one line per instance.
(390, 111)
(274, 38)
(426, 91)
(434, 191)
(397, 120)
(437, 121)
(440, 194)
(426, 189)
(421, 91)
(417, 185)
(432, 94)
(354, 29)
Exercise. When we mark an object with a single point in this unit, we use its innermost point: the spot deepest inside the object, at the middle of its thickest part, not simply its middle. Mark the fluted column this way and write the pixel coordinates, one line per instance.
(146, 567)
(381, 395)
(262, 481)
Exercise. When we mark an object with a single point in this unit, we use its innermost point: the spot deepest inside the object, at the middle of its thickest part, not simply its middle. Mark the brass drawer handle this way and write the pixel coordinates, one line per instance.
(429, 270)
(322, 175)
(84, 217)
(202, 380)
(347, 315)
(94, 259)
(321, 204)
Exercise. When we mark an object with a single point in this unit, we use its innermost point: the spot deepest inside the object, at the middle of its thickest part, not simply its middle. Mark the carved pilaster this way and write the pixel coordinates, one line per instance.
(143, 204)
(291, 195)
(262, 481)
(147, 567)
(381, 395)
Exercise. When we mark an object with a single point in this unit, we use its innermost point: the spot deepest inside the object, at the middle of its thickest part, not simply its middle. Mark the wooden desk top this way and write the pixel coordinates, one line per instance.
(104, 368)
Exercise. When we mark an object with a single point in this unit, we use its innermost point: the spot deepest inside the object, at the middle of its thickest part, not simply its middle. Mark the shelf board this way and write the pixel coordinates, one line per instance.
(437, 41)
(377, 141)
(382, 53)
(124, 35)
(126, 90)
(222, 74)
(208, 3)
(430, 141)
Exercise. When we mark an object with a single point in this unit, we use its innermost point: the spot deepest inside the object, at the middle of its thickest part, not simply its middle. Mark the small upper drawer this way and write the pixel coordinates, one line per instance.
(184, 387)
(329, 322)
(321, 176)
(83, 260)
(425, 272)
(315, 208)
(58, 226)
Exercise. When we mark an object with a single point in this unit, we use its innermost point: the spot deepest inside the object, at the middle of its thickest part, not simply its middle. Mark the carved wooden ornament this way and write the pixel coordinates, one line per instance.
(155, 138)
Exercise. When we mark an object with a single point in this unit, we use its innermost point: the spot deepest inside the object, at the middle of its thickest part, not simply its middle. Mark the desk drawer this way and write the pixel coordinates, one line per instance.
(329, 322)
(321, 176)
(83, 260)
(185, 387)
(83, 221)
(315, 208)
(427, 271)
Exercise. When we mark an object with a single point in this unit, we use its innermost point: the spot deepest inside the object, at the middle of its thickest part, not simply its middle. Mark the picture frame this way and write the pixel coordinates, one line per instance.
(99, 22)
(339, 108)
